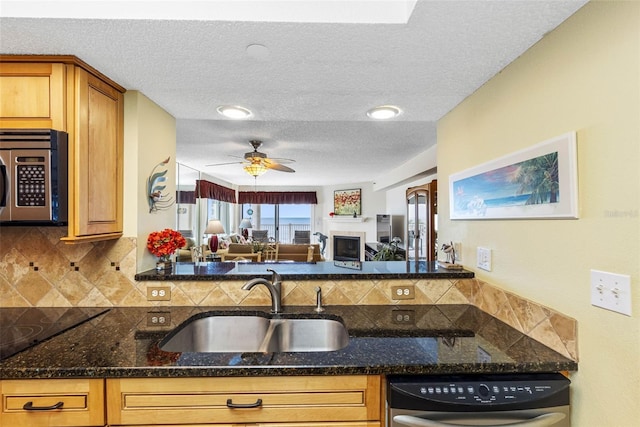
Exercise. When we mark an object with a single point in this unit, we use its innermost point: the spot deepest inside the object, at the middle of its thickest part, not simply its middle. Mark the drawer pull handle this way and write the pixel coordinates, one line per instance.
(29, 407)
(230, 404)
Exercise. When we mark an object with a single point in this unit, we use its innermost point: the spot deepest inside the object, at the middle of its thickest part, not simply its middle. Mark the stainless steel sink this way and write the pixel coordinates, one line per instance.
(218, 334)
(232, 334)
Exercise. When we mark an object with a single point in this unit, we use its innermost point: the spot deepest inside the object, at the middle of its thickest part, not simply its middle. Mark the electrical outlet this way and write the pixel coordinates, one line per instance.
(403, 317)
(611, 291)
(157, 318)
(403, 292)
(159, 293)
(484, 258)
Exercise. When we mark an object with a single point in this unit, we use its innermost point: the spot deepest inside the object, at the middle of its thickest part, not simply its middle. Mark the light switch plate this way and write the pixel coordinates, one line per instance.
(611, 291)
(484, 258)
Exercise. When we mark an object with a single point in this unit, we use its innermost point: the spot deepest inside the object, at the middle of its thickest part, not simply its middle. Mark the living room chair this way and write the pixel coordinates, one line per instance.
(301, 237)
(260, 236)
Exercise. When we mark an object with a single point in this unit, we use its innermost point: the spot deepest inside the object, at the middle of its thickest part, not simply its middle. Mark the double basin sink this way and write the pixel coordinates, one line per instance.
(228, 333)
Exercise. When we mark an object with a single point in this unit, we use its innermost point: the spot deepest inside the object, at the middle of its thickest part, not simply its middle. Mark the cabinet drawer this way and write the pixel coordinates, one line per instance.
(243, 400)
(74, 402)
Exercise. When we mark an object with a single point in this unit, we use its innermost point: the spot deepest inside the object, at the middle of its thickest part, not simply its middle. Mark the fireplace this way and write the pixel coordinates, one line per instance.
(346, 248)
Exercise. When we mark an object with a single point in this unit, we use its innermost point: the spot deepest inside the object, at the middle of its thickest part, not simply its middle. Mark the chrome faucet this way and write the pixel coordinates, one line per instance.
(318, 308)
(275, 289)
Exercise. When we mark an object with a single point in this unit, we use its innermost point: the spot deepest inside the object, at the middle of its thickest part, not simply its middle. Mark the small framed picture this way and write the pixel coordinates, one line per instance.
(347, 202)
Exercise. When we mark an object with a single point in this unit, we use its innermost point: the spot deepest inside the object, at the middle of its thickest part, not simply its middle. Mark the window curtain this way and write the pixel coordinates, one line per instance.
(209, 190)
(186, 197)
(278, 197)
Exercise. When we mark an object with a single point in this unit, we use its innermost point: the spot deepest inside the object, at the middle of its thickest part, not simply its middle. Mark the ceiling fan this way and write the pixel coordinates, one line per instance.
(256, 163)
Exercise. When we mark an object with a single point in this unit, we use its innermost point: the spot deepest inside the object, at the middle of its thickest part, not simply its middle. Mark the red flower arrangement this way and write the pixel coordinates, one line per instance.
(164, 243)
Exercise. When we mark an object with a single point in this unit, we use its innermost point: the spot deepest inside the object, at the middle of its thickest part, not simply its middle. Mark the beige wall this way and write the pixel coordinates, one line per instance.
(150, 137)
(584, 76)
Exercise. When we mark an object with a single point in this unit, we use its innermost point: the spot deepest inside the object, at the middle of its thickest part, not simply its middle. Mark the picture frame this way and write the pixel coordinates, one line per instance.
(539, 182)
(347, 202)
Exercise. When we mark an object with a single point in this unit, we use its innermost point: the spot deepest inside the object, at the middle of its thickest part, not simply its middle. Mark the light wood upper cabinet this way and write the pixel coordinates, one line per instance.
(64, 93)
(32, 95)
(98, 168)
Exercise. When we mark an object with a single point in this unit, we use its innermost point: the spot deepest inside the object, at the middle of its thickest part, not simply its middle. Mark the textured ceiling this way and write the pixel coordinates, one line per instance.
(310, 92)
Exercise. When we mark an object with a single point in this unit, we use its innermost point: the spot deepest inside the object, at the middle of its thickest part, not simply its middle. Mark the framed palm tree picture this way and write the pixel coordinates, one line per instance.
(538, 182)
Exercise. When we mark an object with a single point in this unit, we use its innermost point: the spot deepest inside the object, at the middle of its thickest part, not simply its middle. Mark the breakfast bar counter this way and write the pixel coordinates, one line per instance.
(323, 270)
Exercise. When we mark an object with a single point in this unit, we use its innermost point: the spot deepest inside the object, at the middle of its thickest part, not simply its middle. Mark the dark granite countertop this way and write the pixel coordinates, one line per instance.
(427, 339)
(325, 270)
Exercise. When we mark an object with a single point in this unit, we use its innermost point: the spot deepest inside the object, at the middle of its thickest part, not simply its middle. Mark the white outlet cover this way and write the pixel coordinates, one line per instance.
(611, 291)
(483, 258)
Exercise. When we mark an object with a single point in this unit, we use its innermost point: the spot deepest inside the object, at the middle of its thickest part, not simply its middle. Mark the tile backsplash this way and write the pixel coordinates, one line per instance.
(38, 270)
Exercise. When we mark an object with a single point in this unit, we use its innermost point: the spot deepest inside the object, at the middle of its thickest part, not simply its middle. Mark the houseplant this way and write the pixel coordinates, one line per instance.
(388, 252)
(163, 244)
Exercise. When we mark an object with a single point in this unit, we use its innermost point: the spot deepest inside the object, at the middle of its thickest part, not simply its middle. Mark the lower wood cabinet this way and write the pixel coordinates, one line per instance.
(55, 402)
(321, 424)
(305, 401)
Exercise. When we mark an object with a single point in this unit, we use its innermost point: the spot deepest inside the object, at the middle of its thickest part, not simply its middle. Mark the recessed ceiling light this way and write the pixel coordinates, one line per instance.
(384, 112)
(234, 111)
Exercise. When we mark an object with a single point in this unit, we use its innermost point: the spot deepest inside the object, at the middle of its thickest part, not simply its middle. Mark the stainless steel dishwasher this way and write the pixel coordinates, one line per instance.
(522, 400)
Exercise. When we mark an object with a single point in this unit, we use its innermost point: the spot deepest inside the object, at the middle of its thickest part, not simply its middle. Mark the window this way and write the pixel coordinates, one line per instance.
(281, 221)
(219, 210)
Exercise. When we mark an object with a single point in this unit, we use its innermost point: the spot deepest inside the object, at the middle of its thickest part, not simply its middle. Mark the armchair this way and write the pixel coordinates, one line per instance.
(302, 237)
(260, 236)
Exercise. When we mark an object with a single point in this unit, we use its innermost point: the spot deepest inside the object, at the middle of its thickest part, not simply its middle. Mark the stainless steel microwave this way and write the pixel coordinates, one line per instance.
(33, 177)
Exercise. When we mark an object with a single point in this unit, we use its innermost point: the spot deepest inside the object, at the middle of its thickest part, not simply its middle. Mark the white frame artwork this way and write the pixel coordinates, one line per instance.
(498, 189)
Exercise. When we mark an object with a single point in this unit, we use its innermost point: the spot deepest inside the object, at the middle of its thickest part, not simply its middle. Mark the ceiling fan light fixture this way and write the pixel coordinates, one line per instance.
(384, 112)
(255, 169)
(234, 112)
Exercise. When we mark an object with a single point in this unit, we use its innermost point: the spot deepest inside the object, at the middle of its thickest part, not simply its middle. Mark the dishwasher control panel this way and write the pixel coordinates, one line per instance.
(477, 390)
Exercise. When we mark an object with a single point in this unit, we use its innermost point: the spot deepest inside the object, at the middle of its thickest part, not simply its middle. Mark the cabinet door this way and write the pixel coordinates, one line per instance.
(32, 95)
(97, 156)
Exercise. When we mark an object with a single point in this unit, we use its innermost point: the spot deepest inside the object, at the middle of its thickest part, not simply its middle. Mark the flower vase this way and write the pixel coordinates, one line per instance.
(164, 263)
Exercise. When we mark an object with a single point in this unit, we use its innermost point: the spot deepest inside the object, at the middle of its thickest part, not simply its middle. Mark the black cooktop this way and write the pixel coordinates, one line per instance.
(21, 328)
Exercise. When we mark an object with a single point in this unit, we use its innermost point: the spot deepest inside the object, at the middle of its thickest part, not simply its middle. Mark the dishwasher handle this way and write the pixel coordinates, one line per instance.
(544, 420)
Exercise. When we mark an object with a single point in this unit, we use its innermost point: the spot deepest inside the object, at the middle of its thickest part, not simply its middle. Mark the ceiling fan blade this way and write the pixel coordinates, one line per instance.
(278, 167)
(280, 160)
(223, 164)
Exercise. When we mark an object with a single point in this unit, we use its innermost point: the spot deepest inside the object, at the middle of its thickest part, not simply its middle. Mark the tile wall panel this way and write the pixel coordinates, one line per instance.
(38, 270)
